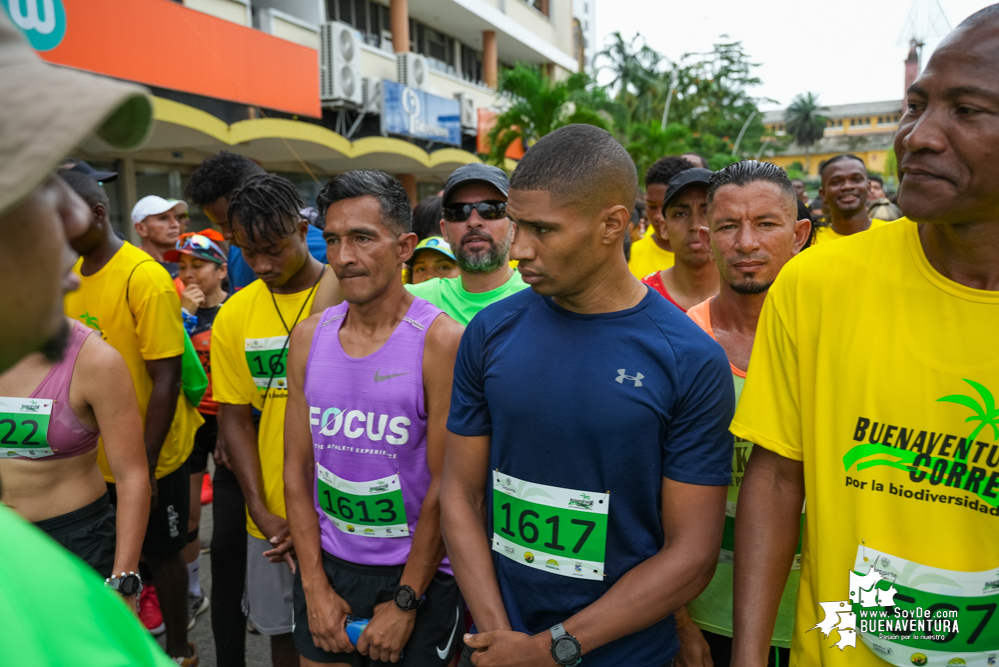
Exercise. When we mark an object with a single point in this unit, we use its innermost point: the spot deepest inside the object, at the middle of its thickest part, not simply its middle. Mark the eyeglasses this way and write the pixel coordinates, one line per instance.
(489, 210)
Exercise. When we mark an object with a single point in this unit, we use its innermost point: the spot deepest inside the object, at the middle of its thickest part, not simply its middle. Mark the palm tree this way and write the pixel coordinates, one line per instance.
(540, 105)
(805, 123)
(647, 142)
(985, 414)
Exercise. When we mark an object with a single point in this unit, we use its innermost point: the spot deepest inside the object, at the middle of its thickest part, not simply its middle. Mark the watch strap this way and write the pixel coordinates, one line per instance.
(557, 631)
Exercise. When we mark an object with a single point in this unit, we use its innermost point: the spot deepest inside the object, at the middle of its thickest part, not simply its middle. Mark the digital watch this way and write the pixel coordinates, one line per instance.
(405, 598)
(126, 584)
(565, 647)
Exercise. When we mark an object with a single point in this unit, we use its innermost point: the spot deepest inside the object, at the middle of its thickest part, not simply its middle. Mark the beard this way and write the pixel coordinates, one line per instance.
(485, 261)
(55, 347)
(751, 287)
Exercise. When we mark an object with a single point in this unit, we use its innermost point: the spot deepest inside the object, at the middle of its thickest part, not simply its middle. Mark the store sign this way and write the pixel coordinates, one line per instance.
(43, 22)
(413, 113)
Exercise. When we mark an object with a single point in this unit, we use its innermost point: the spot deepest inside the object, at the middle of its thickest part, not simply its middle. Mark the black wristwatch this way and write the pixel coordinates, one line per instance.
(565, 647)
(126, 584)
(405, 598)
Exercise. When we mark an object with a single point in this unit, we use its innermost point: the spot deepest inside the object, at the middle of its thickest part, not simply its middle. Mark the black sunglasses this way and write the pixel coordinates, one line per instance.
(489, 210)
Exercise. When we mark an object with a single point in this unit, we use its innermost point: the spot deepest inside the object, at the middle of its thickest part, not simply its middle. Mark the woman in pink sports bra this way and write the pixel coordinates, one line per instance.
(51, 416)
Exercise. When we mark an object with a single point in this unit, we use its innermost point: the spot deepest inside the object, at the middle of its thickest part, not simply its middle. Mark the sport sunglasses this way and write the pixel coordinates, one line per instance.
(199, 242)
(489, 210)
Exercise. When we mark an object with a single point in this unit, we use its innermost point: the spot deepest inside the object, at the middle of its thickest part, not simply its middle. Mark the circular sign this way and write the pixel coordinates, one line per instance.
(410, 102)
(43, 22)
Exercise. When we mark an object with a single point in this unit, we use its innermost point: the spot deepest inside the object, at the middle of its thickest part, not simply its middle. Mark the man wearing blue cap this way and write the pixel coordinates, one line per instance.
(480, 234)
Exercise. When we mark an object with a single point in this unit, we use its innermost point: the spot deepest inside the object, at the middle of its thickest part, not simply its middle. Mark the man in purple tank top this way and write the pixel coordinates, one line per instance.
(369, 391)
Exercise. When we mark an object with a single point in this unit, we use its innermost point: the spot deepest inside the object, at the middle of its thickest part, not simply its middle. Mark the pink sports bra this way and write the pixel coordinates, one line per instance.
(66, 436)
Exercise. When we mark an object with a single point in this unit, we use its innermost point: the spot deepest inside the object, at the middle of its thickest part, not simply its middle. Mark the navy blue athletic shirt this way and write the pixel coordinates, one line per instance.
(607, 402)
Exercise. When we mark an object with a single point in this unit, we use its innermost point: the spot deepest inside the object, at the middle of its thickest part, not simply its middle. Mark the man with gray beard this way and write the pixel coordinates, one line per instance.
(480, 234)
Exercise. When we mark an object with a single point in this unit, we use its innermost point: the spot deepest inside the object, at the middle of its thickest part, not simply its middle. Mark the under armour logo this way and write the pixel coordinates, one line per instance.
(636, 378)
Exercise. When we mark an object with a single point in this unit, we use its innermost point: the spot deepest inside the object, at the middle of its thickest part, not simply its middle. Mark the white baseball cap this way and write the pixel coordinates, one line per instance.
(154, 205)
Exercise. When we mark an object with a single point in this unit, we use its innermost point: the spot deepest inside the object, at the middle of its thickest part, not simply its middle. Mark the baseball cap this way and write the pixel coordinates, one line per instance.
(48, 111)
(84, 168)
(695, 176)
(154, 205)
(196, 245)
(432, 243)
(470, 173)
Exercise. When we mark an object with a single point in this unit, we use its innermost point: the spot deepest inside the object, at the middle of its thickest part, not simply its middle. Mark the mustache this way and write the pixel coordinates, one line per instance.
(477, 236)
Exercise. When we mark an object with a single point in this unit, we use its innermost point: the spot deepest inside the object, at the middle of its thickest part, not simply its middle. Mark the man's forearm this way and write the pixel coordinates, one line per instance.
(463, 523)
(241, 446)
(428, 544)
(645, 595)
(159, 417)
(767, 527)
(303, 522)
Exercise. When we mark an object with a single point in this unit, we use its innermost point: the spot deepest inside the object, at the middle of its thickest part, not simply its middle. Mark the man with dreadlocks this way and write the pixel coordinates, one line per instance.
(249, 355)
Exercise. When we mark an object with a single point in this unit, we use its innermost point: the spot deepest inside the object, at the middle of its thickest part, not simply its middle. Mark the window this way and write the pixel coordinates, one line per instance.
(368, 17)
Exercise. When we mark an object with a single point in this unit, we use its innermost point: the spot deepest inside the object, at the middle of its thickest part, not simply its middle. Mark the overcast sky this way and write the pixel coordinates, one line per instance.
(846, 51)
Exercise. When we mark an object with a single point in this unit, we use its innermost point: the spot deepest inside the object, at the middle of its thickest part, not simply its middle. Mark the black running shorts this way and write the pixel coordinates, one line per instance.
(88, 532)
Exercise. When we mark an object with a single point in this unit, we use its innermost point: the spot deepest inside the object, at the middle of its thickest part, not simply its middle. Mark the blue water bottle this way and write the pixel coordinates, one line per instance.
(355, 626)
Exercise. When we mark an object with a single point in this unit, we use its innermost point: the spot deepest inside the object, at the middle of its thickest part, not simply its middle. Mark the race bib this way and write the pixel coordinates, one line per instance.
(370, 509)
(24, 427)
(268, 361)
(912, 614)
(562, 531)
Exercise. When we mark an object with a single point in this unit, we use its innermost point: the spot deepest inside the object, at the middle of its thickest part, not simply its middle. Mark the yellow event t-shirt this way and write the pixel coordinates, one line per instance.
(874, 370)
(647, 257)
(826, 233)
(248, 353)
(144, 327)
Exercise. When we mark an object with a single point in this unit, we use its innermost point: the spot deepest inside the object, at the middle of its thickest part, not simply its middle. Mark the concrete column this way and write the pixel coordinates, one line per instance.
(399, 19)
(409, 182)
(490, 60)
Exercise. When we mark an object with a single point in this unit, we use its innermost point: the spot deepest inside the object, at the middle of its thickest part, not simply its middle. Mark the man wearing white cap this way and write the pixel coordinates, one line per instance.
(160, 222)
(48, 112)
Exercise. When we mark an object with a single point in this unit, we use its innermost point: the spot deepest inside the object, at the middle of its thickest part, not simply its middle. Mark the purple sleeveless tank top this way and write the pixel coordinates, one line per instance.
(369, 434)
(67, 437)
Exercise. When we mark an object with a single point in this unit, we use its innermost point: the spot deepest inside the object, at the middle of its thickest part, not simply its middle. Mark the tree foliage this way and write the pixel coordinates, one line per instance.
(805, 122)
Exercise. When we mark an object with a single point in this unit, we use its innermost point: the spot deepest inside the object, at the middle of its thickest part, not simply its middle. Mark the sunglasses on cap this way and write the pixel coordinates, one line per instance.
(202, 245)
(488, 210)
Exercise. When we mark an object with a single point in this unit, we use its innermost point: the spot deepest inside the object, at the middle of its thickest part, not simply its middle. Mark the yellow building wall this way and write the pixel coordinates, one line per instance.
(875, 160)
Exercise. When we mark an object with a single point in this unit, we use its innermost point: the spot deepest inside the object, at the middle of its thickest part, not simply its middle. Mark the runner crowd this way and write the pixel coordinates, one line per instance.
(510, 427)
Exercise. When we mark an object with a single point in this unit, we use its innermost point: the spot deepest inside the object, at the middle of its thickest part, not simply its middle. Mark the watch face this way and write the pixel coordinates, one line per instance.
(565, 650)
(404, 597)
(129, 585)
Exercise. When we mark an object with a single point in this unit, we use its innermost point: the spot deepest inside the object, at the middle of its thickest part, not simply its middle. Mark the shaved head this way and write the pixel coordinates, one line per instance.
(581, 166)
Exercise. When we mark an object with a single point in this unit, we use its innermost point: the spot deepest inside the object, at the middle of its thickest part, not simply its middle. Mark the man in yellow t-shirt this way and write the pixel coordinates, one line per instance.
(652, 252)
(249, 355)
(845, 187)
(871, 394)
(131, 300)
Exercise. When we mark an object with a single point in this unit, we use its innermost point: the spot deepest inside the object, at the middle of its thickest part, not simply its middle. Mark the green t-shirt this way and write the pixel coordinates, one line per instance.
(449, 295)
(712, 609)
(55, 610)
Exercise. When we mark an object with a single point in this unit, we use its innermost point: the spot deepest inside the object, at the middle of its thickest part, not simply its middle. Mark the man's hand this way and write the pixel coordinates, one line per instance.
(154, 495)
(284, 552)
(221, 453)
(387, 633)
(504, 648)
(694, 649)
(192, 298)
(275, 529)
(328, 614)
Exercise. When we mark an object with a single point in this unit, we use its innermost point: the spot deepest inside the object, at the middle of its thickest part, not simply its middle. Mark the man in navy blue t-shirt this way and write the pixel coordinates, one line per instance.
(588, 459)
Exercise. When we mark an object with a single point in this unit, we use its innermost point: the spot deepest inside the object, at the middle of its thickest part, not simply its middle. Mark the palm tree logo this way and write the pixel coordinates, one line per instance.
(986, 413)
(90, 321)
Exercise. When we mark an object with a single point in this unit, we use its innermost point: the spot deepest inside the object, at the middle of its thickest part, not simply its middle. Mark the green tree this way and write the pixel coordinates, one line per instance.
(985, 413)
(805, 122)
(637, 73)
(647, 142)
(539, 105)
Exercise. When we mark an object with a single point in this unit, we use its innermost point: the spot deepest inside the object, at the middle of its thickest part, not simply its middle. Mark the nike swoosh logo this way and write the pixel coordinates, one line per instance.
(382, 378)
(446, 652)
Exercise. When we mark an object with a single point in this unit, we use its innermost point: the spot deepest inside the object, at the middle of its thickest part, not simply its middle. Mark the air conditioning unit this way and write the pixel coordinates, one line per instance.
(469, 117)
(339, 65)
(411, 70)
(371, 95)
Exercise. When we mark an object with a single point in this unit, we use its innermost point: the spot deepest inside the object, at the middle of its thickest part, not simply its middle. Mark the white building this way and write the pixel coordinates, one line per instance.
(586, 12)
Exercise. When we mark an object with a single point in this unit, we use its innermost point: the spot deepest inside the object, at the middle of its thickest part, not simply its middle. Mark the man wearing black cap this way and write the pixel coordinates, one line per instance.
(694, 276)
(480, 234)
(73, 164)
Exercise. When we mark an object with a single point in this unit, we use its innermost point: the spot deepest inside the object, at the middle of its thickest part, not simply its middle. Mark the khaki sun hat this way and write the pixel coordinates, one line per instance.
(46, 111)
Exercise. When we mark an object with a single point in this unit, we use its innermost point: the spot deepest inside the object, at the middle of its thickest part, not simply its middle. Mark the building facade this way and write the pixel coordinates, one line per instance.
(585, 12)
(306, 88)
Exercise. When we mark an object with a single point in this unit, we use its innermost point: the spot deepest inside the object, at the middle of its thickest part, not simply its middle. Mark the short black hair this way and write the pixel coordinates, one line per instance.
(88, 189)
(427, 216)
(579, 163)
(393, 201)
(990, 13)
(744, 172)
(666, 168)
(219, 176)
(839, 158)
(266, 206)
(876, 177)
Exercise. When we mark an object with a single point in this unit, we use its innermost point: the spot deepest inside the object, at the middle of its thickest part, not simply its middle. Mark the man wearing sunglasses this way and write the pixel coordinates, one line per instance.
(480, 234)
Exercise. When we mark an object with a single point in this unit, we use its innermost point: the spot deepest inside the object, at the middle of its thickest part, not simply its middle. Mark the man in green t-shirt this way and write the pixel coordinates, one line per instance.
(480, 234)
(753, 232)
